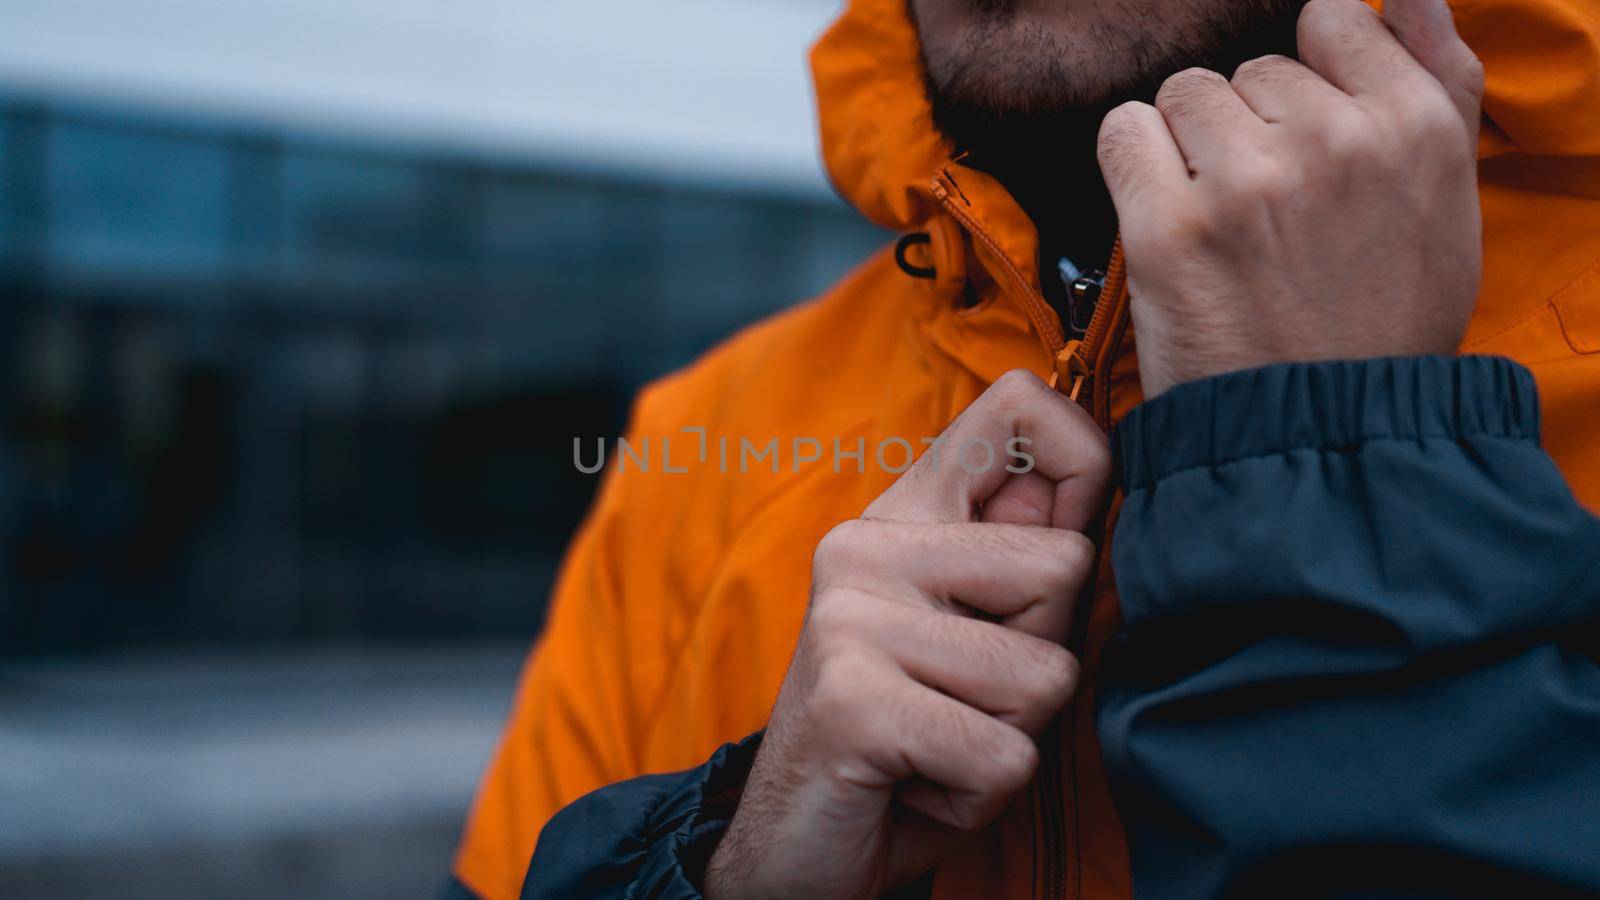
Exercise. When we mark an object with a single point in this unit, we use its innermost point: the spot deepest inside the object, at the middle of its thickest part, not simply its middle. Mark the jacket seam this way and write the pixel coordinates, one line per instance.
(1592, 273)
(1549, 304)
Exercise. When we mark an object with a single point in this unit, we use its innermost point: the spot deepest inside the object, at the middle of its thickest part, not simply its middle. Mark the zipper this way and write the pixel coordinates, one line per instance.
(1075, 359)
(1083, 297)
(1078, 362)
(1079, 359)
(1078, 365)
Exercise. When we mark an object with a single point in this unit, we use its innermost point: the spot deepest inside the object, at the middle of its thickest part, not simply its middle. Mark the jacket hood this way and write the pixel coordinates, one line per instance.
(879, 143)
(880, 147)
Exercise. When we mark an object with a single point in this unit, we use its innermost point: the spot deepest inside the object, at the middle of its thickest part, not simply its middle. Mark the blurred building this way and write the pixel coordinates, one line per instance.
(305, 303)
(302, 305)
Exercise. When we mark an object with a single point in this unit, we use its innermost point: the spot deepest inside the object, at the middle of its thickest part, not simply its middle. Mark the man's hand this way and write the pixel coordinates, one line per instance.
(930, 658)
(1311, 210)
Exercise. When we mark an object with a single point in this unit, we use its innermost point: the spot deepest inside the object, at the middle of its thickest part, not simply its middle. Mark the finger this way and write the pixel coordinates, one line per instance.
(1206, 118)
(1427, 30)
(1138, 153)
(1141, 162)
(1028, 577)
(975, 762)
(969, 463)
(1280, 89)
(1346, 43)
(1025, 499)
(1018, 678)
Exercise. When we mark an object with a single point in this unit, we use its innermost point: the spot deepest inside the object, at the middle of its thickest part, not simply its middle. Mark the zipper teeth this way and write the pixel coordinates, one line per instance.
(1109, 307)
(1053, 822)
(1058, 883)
(1042, 316)
(1065, 880)
(1110, 296)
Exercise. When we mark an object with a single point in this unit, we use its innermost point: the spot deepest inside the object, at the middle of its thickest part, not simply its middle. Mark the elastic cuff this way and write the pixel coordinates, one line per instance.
(1325, 405)
(686, 829)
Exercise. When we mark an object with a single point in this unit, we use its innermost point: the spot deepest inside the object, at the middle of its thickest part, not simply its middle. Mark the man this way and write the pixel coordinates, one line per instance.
(1339, 632)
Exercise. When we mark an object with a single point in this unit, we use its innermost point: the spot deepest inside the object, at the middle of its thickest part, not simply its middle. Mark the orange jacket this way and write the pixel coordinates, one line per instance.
(682, 595)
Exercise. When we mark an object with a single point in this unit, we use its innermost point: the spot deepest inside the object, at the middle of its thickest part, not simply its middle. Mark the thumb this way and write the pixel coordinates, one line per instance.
(1428, 32)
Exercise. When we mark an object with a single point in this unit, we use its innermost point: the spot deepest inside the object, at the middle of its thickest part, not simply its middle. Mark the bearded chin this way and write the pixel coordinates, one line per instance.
(1015, 102)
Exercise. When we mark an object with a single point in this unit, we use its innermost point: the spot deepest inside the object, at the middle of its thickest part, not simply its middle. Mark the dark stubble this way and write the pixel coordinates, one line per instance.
(1025, 104)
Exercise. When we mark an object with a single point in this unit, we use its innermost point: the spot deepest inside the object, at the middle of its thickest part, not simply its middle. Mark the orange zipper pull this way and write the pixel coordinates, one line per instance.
(1071, 370)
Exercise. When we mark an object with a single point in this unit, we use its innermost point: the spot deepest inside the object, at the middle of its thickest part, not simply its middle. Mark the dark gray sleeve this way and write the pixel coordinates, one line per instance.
(1359, 646)
(646, 837)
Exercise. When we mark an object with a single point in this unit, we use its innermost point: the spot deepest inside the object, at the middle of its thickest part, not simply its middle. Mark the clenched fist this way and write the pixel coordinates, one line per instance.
(1303, 211)
(930, 659)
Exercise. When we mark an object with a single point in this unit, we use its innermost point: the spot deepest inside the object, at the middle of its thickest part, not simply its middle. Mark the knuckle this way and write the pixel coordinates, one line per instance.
(1076, 553)
(828, 617)
(1015, 389)
(1062, 562)
(1058, 671)
(1351, 120)
(1124, 146)
(1265, 183)
(1017, 381)
(1123, 116)
(1012, 761)
(1120, 133)
(839, 546)
(1262, 70)
(1434, 117)
(1050, 677)
(1320, 14)
(1120, 125)
(1252, 71)
(1315, 8)
(1188, 86)
(1191, 78)
(1353, 136)
(1331, 26)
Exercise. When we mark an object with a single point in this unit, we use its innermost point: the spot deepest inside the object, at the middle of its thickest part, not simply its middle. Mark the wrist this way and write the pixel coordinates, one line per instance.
(717, 883)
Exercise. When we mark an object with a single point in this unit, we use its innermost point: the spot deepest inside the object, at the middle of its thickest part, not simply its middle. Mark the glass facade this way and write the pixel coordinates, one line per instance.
(264, 386)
